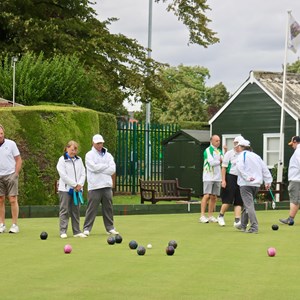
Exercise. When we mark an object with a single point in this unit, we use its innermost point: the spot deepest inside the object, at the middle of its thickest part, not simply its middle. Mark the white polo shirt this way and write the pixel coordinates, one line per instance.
(8, 152)
(229, 162)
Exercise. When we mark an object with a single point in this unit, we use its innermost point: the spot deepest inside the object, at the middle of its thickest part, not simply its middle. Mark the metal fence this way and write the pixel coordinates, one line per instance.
(139, 153)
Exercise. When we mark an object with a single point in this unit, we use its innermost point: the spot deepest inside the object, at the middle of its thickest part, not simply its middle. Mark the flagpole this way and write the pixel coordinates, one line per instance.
(148, 104)
(281, 137)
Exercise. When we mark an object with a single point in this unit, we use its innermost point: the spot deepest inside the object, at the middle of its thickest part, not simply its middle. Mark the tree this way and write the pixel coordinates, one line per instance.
(185, 106)
(192, 14)
(61, 79)
(186, 92)
(188, 98)
(294, 67)
(68, 27)
(216, 98)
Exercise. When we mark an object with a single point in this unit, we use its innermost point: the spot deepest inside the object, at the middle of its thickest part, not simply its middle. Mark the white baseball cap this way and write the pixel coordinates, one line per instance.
(237, 139)
(97, 138)
(244, 143)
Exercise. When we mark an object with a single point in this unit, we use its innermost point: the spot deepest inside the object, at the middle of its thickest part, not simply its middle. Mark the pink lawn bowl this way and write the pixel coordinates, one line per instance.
(271, 251)
(68, 249)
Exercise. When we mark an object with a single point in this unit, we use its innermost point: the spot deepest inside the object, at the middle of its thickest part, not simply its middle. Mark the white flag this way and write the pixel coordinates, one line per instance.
(294, 34)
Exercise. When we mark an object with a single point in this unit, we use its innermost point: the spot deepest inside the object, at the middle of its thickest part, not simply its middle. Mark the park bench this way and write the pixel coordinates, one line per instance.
(163, 190)
(276, 188)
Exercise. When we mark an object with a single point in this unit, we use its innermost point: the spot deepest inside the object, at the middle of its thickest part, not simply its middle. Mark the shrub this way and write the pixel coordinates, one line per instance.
(41, 133)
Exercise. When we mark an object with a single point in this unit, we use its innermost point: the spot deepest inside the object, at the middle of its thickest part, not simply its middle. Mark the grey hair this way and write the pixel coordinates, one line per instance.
(69, 144)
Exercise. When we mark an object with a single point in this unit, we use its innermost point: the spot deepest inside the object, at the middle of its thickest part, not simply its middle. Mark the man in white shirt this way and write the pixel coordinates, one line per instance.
(294, 181)
(230, 191)
(252, 173)
(100, 167)
(211, 178)
(10, 167)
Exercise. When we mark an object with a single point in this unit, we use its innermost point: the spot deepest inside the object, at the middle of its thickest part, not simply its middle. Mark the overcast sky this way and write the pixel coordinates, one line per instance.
(252, 35)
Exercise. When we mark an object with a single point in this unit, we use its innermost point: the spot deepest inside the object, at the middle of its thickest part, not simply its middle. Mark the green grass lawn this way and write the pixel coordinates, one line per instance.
(127, 199)
(211, 262)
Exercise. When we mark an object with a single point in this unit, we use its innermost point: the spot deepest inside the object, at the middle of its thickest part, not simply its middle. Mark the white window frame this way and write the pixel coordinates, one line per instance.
(266, 136)
(225, 138)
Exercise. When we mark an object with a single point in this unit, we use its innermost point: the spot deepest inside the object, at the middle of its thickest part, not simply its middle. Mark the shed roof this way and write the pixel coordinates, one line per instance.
(272, 84)
(202, 136)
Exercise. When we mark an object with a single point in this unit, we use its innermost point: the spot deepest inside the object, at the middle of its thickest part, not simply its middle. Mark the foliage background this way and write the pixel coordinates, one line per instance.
(41, 133)
(61, 79)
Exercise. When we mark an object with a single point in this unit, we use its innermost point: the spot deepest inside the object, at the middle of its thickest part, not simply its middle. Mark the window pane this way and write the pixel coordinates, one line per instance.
(272, 159)
(229, 143)
(273, 144)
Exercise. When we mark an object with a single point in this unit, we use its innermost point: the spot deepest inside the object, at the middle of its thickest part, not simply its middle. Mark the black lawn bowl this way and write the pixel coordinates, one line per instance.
(133, 245)
(170, 250)
(119, 239)
(111, 240)
(291, 222)
(44, 235)
(275, 227)
(141, 250)
(173, 243)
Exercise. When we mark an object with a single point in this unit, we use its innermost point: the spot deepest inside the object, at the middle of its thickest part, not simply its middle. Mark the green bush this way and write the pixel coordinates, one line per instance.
(108, 129)
(62, 79)
(41, 133)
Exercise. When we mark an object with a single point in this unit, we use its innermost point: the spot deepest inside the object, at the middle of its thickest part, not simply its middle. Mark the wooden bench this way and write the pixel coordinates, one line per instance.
(163, 190)
(276, 188)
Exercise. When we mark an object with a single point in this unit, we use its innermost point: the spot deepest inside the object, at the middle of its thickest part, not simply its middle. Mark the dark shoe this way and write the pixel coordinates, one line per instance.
(239, 226)
(252, 231)
(287, 221)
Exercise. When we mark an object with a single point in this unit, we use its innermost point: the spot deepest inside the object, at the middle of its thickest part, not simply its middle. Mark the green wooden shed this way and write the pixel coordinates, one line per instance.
(183, 158)
(254, 111)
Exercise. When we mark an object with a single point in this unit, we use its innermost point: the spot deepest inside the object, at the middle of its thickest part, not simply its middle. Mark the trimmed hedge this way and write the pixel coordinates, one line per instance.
(194, 125)
(41, 133)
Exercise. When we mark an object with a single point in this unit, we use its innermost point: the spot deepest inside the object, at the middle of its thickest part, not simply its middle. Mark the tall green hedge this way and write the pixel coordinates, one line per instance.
(41, 133)
(108, 128)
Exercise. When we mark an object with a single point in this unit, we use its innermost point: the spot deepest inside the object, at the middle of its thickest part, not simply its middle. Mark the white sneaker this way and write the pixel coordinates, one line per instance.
(82, 235)
(203, 219)
(237, 225)
(112, 231)
(14, 229)
(221, 221)
(63, 236)
(212, 219)
(2, 228)
(86, 232)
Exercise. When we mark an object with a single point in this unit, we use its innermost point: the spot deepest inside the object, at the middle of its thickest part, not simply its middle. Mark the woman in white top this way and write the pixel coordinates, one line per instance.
(72, 177)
